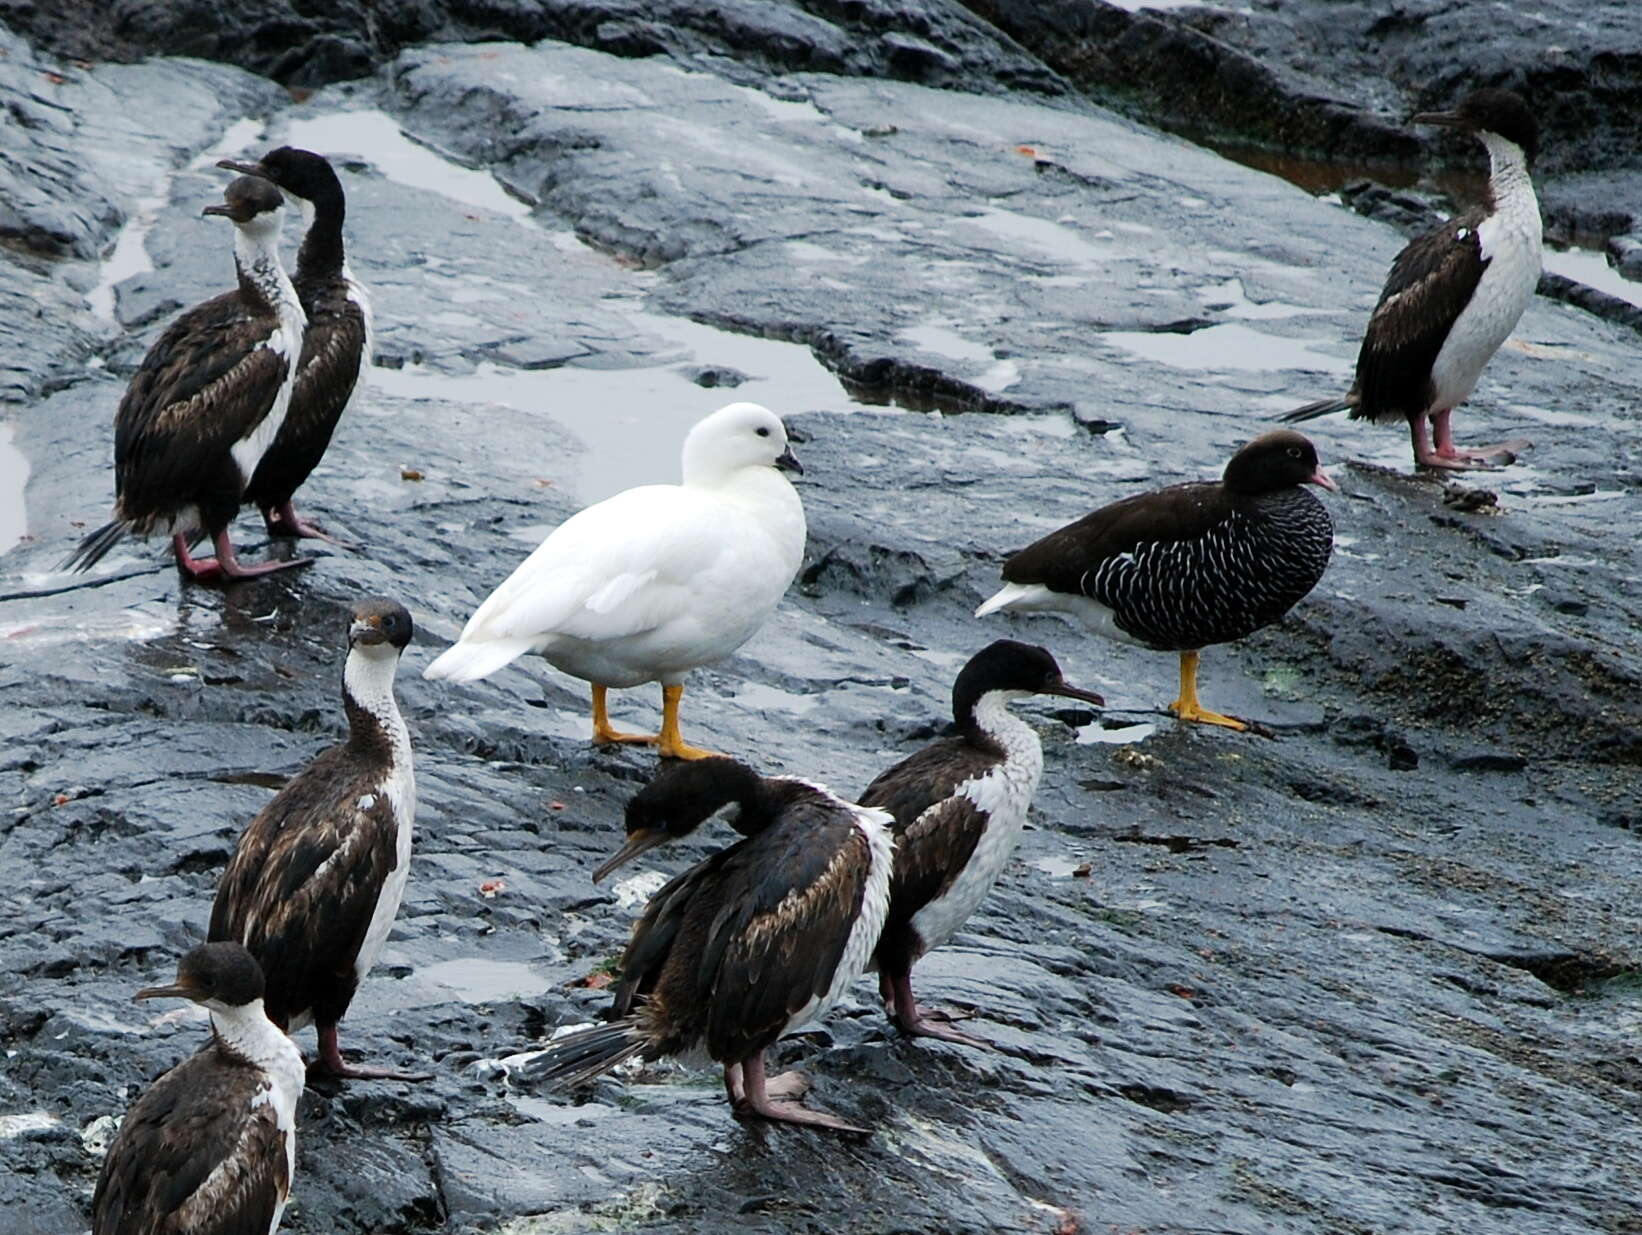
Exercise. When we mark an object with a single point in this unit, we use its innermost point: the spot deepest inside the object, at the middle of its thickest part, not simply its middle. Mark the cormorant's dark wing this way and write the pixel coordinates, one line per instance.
(659, 926)
(304, 880)
(333, 354)
(204, 385)
(1066, 560)
(935, 832)
(332, 359)
(1430, 284)
(734, 947)
(194, 1156)
(781, 916)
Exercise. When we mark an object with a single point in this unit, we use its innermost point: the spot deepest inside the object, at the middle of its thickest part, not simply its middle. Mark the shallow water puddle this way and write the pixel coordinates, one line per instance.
(1123, 735)
(14, 474)
(236, 138)
(138, 625)
(1230, 299)
(477, 980)
(1591, 268)
(632, 421)
(1229, 346)
(376, 137)
(1054, 240)
(942, 340)
(129, 256)
(1061, 866)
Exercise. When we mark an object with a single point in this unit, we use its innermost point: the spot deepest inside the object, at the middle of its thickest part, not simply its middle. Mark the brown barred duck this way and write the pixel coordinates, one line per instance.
(210, 1147)
(1180, 568)
(316, 878)
(207, 402)
(1453, 296)
(336, 349)
(746, 946)
(958, 806)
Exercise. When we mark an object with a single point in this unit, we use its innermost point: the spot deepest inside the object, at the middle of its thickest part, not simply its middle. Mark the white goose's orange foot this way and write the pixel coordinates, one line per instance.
(671, 743)
(683, 750)
(604, 734)
(615, 737)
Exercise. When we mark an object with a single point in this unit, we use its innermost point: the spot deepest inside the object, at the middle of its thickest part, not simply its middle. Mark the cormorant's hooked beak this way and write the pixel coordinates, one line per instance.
(177, 990)
(1323, 480)
(244, 169)
(1065, 689)
(366, 630)
(786, 461)
(1448, 119)
(638, 842)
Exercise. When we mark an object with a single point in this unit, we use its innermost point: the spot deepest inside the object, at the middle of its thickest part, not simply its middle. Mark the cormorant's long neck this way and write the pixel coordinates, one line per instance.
(262, 280)
(374, 723)
(247, 1031)
(987, 721)
(321, 255)
(1510, 187)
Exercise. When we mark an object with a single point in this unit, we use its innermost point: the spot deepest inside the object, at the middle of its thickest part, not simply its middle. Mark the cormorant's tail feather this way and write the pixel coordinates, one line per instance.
(96, 544)
(579, 1057)
(1322, 407)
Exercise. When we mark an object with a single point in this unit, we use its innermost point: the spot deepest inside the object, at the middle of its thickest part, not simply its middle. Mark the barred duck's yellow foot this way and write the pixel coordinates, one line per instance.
(1186, 707)
(1203, 716)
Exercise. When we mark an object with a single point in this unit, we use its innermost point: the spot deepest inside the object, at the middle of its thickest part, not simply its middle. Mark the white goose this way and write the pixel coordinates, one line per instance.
(649, 584)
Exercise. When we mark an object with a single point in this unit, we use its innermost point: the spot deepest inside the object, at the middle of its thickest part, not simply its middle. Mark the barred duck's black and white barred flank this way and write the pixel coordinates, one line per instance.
(336, 348)
(1243, 571)
(747, 946)
(316, 878)
(959, 805)
(207, 401)
(210, 1147)
(1181, 568)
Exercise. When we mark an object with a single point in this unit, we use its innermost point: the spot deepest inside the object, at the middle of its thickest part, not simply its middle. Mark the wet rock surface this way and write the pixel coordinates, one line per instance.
(1376, 971)
(935, 41)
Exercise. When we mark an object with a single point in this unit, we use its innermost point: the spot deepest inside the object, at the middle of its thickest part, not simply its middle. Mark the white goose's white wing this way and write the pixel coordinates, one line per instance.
(619, 568)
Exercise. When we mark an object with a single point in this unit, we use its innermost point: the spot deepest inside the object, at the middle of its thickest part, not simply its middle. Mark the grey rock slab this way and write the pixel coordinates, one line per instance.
(85, 147)
(1334, 83)
(920, 40)
(1357, 1013)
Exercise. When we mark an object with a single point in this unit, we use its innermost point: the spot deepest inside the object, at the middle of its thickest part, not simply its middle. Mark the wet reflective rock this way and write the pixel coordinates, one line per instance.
(1373, 972)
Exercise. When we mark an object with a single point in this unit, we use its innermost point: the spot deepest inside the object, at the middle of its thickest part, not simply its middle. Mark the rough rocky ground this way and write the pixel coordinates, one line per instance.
(1375, 972)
